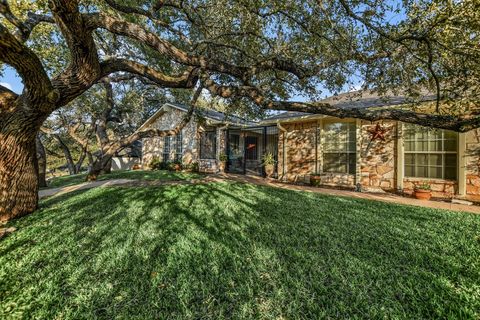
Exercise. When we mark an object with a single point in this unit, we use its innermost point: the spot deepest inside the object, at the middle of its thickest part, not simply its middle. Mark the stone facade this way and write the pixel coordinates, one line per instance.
(298, 143)
(300, 155)
(376, 167)
(153, 147)
(472, 162)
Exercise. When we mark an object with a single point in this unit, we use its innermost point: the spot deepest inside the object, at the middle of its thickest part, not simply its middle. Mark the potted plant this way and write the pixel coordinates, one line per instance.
(423, 191)
(223, 161)
(315, 180)
(268, 161)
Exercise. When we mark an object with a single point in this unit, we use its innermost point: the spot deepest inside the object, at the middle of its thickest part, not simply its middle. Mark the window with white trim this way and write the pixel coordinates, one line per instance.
(178, 147)
(339, 148)
(166, 148)
(430, 153)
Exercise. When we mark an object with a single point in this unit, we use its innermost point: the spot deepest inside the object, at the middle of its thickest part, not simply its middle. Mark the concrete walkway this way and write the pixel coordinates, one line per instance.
(384, 197)
(82, 186)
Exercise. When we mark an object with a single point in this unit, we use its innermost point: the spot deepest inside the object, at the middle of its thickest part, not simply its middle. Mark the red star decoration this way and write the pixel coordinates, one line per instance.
(378, 132)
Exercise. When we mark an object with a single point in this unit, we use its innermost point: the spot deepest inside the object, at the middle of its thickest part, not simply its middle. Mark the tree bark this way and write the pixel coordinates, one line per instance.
(42, 163)
(18, 164)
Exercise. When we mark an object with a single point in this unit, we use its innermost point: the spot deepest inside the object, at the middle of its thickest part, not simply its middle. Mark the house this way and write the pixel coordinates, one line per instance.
(348, 153)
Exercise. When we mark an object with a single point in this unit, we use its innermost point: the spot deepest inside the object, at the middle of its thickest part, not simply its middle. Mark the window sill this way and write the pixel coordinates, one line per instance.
(432, 180)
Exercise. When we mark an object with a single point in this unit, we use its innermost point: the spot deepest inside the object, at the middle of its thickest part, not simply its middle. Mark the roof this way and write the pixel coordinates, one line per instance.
(357, 99)
(348, 100)
(215, 115)
(212, 115)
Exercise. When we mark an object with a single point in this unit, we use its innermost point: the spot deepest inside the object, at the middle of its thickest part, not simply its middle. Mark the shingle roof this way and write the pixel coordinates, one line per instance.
(216, 115)
(359, 99)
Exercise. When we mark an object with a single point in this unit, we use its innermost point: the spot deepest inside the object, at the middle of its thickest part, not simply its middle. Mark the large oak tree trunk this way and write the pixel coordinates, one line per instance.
(18, 165)
(42, 163)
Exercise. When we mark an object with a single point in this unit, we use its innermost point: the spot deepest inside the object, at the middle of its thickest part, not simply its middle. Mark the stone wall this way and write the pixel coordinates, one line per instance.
(153, 147)
(440, 188)
(299, 139)
(472, 154)
(377, 158)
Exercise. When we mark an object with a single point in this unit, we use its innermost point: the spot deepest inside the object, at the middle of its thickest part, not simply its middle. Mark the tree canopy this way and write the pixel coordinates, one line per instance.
(257, 55)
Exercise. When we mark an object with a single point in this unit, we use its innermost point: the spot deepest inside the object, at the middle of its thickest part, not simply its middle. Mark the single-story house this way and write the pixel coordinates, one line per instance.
(349, 153)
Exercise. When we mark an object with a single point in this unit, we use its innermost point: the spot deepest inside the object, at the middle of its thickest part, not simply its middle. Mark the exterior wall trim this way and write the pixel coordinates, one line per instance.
(461, 166)
(400, 163)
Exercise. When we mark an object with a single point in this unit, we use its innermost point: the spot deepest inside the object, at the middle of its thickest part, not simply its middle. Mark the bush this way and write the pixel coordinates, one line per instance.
(174, 166)
(192, 167)
(155, 164)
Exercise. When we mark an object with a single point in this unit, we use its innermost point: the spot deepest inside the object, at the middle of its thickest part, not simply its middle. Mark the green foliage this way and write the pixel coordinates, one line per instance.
(155, 163)
(237, 251)
(191, 167)
(223, 157)
(423, 186)
(268, 159)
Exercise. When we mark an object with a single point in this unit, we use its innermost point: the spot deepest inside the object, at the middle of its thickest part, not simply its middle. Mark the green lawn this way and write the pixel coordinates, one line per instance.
(231, 250)
(65, 181)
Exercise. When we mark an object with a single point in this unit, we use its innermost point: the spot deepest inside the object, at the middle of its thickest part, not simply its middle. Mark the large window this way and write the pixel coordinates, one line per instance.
(178, 147)
(430, 153)
(208, 145)
(166, 148)
(339, 147)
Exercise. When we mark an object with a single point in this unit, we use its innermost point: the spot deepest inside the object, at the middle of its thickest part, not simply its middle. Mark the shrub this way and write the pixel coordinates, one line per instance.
(223, 157)
(174, 166)
(192, 167)
(155, 164)
(423, 186)
(268, 159)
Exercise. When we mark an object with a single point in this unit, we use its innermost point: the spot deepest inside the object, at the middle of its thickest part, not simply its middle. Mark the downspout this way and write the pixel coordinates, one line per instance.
(284, 170)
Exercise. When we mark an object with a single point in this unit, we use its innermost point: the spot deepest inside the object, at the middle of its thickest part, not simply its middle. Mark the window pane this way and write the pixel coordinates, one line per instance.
(352, 163)
(451, 160)
(421, 171)
(208, 145)
(409, 159)
(435, 160)
(435, 172)
(450, 145)
(421, 159)
(435, 145)
(409, 171)
(409, 145)
(335, 162)
(451, 173)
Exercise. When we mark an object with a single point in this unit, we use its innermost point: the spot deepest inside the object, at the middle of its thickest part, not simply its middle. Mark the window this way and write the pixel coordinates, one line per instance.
(178, 147)
(430, 153)
(166, 148)
(208, 145)
(339, 148)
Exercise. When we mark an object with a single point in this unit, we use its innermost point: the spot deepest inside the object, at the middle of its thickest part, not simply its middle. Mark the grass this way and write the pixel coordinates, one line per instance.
(67, 180)
(231, 250)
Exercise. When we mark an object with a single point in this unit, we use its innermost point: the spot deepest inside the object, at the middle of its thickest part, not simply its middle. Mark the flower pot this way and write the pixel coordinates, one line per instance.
(221, 166)
(423, 194)
(315, 180)
(269, 170)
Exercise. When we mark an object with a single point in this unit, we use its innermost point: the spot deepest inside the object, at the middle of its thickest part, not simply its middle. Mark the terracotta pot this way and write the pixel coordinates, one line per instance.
(423, 194)
(221, 166)
(315, 180)
(177, 167)
(269, 170)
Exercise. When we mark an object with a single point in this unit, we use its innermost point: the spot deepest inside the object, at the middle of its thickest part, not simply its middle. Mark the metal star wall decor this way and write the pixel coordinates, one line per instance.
(378, 132)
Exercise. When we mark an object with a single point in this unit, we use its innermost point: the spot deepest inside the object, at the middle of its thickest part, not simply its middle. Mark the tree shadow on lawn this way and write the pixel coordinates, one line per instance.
(226, 250)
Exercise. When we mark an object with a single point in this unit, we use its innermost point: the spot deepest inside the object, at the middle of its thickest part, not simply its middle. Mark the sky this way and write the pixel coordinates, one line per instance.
(11, 80)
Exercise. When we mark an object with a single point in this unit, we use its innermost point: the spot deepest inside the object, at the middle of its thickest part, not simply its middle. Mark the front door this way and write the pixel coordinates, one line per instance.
(252, 161)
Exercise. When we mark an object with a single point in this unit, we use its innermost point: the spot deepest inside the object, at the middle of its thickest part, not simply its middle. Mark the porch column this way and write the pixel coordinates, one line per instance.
(358, 150)
(461, 173)
(400, 163)
(321, 143)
